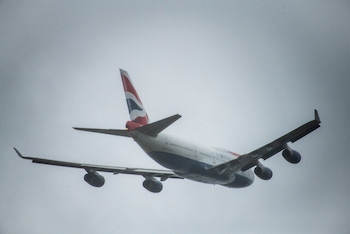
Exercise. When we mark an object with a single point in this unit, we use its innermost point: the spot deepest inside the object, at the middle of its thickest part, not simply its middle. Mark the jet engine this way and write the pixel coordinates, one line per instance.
(263, 173)
(152, 185)
(94, 178)
(291, 156)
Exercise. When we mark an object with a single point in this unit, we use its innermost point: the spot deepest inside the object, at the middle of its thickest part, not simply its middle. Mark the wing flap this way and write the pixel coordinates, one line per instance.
(277, 145)
(163, 174)
(249, 160)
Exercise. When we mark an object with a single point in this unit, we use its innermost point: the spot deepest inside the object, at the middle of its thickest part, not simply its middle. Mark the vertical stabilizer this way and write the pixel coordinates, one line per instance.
(137, 112)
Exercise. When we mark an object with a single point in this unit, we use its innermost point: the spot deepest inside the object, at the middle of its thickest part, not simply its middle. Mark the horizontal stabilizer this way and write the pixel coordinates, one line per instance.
(153, 129)
(118, 132)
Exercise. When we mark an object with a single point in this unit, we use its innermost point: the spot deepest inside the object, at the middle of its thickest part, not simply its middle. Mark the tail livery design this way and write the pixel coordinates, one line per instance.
(138, 115)
(137, 112)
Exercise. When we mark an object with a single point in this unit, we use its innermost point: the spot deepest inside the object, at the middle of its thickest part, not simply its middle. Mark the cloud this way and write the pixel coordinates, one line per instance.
(241, 74)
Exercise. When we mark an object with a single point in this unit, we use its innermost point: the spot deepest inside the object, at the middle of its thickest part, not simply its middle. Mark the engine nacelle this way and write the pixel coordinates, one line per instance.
(291, 156)
(153, 185)
(263, 173)
(95, 179)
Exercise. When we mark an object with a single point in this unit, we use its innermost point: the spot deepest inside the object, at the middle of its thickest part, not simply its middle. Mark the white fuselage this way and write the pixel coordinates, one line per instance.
(192, 161)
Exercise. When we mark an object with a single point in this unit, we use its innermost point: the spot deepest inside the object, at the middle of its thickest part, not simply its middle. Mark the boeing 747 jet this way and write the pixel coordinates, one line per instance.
(184, 160)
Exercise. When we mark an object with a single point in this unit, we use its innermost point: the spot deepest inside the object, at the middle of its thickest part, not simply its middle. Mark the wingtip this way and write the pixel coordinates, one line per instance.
(317, 117)
(18, 153)
(80, 129)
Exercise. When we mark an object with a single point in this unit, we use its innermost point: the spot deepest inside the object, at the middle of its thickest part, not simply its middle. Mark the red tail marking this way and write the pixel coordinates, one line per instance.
(142, 120)
(129, 88)
(131, 125)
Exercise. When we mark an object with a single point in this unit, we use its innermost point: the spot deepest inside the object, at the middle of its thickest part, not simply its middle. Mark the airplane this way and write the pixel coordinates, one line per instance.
(185, 160)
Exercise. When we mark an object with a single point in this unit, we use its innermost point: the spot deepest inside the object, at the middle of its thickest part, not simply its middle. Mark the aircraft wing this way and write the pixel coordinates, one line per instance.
(250, 160)
(163, 174)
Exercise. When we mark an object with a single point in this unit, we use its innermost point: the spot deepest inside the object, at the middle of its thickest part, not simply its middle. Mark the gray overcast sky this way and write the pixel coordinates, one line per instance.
(240, 73)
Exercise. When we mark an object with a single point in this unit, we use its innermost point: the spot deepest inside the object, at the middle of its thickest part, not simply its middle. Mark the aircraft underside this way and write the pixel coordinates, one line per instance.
(198, 171)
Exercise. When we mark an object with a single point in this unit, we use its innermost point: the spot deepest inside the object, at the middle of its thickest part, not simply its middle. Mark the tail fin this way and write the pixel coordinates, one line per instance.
(137, 112)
